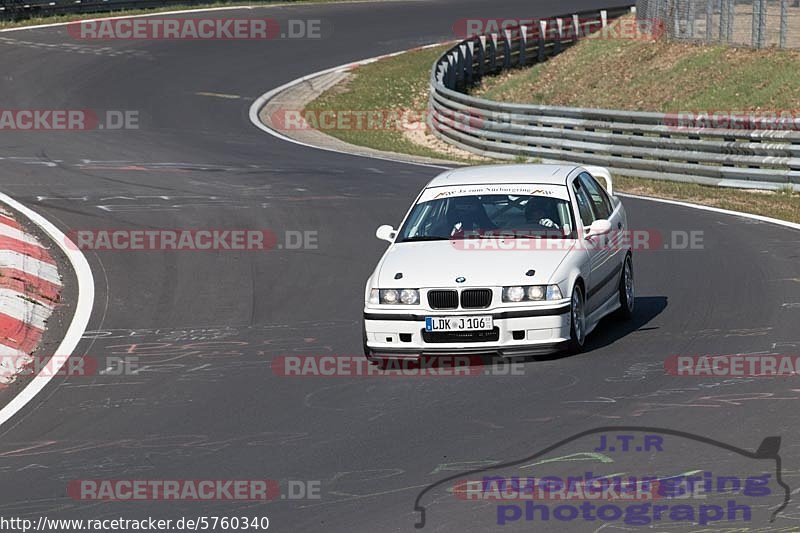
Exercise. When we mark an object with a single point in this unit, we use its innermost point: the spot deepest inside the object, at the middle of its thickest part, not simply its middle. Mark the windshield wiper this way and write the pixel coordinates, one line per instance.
(543, 235)
(509, 236)
(423, 238)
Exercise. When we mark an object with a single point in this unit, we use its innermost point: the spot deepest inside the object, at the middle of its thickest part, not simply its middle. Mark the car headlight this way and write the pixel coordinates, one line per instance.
(513, 294)
(409, 296)
(389, 296)
(535, 292)
(531, 293)
(394, 296)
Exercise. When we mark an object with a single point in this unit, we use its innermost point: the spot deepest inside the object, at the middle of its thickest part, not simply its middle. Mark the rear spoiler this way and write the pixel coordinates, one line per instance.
(605, 175)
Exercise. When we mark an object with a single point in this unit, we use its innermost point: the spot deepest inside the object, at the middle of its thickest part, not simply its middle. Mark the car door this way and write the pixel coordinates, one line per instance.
(601, 284)
(615, 241)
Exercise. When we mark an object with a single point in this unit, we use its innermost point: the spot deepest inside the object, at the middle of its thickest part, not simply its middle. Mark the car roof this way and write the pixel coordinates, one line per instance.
(487, 174)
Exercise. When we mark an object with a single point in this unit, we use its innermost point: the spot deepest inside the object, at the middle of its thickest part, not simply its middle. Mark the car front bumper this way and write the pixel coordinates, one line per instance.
(519, 332)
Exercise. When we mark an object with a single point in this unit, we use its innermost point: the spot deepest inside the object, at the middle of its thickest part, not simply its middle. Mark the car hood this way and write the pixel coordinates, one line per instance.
(439, 263)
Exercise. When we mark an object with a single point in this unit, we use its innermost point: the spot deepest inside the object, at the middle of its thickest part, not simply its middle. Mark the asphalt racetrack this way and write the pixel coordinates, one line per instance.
(207, 325)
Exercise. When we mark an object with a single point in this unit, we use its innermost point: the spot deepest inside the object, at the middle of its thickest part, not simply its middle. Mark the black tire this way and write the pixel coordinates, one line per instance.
(577, 320)
(627, 294)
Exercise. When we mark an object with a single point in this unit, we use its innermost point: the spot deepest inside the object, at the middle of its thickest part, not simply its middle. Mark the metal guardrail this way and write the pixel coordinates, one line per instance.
(656, 145)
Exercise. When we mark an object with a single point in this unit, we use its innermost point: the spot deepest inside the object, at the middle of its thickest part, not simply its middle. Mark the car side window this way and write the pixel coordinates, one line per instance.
(584, 204)
(598, 196)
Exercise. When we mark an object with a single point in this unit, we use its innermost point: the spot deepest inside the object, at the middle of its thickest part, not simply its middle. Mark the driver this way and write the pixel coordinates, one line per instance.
(466, 214)
(536, 213)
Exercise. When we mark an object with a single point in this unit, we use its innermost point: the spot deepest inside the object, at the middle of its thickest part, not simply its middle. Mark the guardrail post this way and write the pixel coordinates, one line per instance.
(559, 34)
(460, 56)
(469, 61)
(481, 55)
(604, 22)
(709, 19)
(576, 28)
(452, 77)
(493, 55)
(784, 22)
(506, 49)
(542, 39)
(523, 44)
(441, 71)
(690, 19)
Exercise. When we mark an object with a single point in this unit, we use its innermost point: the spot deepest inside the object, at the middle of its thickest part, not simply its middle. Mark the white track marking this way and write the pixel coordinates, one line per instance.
(83, 307)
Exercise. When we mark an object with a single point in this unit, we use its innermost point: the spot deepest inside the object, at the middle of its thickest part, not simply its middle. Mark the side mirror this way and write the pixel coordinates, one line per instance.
(388, 233)
(599, 227)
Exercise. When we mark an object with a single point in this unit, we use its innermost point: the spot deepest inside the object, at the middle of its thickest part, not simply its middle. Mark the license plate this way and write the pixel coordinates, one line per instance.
(458, 323)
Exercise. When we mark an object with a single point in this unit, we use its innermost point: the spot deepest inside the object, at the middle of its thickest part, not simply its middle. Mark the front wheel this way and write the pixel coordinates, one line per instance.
(627, 290)
(577, 313)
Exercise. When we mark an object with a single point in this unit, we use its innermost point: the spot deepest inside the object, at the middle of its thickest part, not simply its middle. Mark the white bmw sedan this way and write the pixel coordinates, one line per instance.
(512, 260)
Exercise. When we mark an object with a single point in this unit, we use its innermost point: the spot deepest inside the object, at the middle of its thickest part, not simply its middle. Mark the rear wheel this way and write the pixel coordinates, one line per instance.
(627, 290)
(577, 313)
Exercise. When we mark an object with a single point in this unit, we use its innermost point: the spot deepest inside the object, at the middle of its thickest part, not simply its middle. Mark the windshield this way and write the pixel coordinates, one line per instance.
(488, 216)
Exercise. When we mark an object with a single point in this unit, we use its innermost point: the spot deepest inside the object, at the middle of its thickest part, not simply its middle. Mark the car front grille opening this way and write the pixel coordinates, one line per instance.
(476, 298)
(518, 335)
(405, 337)
(443, 299)
(461, 336)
